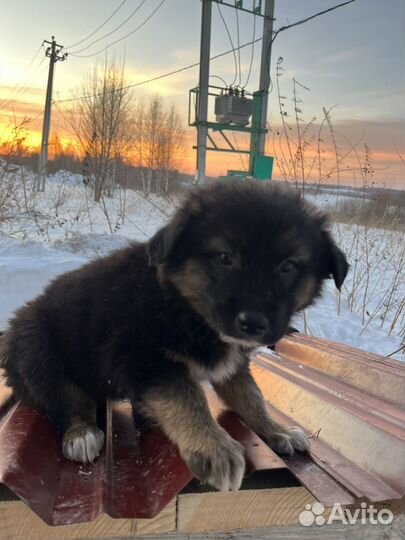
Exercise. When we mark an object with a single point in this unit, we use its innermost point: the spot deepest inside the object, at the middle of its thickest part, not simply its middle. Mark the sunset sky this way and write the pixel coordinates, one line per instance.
(352, 59)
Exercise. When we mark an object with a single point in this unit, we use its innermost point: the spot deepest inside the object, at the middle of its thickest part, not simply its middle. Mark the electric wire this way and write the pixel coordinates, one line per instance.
(252, 52)
(238, 38)
(98, 28)
(35, 55)
(232, 45)
(301, 21)
(132, 14)
(196, 64)
(162, 76)
(123, 37)
(7, 100)
(241, 156)
(219, 78)
(24, 89)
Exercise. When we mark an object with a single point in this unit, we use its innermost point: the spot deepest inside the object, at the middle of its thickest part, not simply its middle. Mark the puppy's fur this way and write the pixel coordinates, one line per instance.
(151, 321)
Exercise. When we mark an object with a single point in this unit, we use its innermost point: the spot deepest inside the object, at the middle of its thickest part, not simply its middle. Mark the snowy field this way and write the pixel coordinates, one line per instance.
(59, 230)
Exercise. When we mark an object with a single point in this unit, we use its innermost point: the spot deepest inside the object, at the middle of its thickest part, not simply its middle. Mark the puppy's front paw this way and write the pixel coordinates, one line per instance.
(82, 442)
(286, 442)
(220, 463)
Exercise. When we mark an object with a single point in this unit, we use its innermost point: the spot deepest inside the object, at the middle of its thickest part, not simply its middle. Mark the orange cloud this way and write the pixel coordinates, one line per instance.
(386, 164)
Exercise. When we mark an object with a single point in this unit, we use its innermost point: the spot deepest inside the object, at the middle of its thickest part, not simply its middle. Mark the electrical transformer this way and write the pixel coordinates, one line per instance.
(233, 109)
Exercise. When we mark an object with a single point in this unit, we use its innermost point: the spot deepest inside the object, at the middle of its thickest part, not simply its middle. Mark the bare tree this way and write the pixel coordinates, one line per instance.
(159, 137)
(101, 120)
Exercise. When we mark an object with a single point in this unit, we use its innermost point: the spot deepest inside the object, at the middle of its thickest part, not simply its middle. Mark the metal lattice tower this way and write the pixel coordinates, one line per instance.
(260, 165)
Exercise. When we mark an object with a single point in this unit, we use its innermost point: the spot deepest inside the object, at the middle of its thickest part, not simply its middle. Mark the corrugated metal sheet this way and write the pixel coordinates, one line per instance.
(351, 403)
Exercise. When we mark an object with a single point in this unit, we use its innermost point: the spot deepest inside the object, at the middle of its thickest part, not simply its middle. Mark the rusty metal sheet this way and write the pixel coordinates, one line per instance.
(350, 402)
(137, 474)
(331, 477)
(257, 454)
(375, 375)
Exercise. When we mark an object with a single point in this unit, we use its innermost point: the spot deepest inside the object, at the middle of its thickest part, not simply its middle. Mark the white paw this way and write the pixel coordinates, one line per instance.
(288, 441)
(221, 464)
(82, 443)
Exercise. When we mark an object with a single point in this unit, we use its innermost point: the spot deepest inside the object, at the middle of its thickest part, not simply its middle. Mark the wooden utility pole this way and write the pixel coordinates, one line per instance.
(53, 52)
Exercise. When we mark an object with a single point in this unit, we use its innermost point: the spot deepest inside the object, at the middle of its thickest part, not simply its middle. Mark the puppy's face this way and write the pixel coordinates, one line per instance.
(247, 257)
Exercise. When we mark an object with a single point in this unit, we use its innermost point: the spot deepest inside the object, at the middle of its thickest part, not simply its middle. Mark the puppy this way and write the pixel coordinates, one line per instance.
(151, 321)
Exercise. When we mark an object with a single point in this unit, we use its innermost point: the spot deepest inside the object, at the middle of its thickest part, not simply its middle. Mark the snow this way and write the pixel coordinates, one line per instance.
(63, 228)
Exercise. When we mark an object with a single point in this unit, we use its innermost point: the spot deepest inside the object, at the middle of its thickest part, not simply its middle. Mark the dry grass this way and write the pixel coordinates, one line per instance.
(384, 211)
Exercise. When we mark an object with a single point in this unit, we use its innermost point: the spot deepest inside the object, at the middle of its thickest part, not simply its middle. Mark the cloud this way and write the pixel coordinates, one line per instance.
(342, 56)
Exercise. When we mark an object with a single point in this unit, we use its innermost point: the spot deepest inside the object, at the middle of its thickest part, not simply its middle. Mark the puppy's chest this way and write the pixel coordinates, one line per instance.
(224, 368)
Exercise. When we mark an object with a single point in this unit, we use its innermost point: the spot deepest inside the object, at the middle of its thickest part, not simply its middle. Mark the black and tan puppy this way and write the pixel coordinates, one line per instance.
(151, 321)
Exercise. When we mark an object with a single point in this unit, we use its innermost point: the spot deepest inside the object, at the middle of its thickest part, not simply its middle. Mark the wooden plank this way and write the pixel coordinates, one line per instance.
(164, 522)
(394, 531)
(204, 513)
(18, 522)
(241, 509)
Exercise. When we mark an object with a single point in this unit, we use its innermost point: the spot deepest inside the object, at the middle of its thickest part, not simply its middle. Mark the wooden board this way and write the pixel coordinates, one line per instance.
(250, 514)
(241, 509)
(394, 531)
(18, 522)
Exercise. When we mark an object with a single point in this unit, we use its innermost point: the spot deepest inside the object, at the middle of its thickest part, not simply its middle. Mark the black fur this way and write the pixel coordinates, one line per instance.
(111, 328)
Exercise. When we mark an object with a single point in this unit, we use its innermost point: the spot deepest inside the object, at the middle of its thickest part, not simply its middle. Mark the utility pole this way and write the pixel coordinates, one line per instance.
(233, 105)
(264, 83)
(202, 110)
(53, 52)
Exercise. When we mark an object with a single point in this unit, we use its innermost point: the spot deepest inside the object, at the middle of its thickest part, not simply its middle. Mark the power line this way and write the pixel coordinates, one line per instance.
(123, 37)
(231, 42)
(24, 89)
(302, 21)
(98, 28)
(252, 52)
(111, 31)
(30, 120)
(238, 38)
(196, 64)
(158, 77)
(241, 157)
(219, 78)
(18, 86)
(35, 55)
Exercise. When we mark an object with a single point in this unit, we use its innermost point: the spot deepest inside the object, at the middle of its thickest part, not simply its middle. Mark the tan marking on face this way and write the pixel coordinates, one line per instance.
(192, 282)
(291, 247)
(218, 244)
(305, 294)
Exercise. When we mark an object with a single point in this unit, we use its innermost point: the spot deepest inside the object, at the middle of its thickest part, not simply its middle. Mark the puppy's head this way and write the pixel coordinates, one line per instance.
(247, 256)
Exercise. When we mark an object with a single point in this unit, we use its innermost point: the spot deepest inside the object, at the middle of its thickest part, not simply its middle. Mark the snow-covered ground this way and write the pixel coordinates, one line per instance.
(63, 228)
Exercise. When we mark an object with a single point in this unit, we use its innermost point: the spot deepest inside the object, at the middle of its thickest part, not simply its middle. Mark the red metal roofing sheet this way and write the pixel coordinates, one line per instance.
(308, 382)
(138, 473)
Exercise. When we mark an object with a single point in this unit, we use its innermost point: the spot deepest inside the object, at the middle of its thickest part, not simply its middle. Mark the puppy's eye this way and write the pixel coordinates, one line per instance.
(225, 259)
(287, 267)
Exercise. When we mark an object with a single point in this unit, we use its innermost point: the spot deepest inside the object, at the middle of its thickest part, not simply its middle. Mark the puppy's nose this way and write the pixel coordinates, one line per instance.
(251, 322)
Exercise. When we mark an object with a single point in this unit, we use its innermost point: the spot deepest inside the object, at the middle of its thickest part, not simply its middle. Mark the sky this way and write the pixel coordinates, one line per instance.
(351, 60)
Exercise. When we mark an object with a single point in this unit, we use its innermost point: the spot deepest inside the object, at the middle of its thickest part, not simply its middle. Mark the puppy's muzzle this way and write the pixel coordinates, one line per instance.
(252, 323)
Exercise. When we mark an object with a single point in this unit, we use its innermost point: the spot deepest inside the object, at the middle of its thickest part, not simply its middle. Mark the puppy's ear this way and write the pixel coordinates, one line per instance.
(164, 240)
(336, 263)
